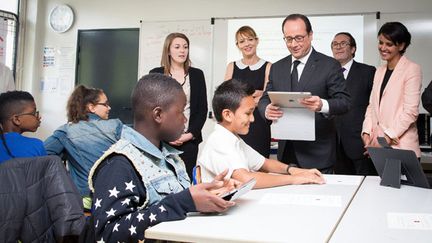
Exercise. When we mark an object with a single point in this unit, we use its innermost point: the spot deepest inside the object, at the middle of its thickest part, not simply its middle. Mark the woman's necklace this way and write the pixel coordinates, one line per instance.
(184, 78)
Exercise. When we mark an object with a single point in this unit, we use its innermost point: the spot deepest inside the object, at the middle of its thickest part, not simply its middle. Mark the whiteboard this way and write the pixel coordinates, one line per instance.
(272, 47)
(152, 37)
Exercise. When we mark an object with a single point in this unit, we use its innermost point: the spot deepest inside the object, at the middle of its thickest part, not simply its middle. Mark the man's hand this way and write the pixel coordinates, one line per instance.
(227, 184)
(313, 103)
(273, 112)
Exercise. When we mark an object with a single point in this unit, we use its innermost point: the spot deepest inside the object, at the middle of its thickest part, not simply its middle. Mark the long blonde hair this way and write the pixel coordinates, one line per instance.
(166, 60)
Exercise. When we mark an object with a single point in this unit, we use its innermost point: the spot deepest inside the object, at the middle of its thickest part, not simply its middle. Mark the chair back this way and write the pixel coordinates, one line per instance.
(196, 174)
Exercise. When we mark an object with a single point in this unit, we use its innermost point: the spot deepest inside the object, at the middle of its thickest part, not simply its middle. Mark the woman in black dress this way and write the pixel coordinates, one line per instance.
(253, 70)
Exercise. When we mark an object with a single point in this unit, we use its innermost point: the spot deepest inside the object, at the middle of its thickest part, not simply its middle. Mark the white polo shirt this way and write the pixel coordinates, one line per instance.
(223, 150)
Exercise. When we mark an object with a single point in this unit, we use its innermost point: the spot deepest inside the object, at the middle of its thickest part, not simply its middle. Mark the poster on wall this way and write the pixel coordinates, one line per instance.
(48, 57)
(59, 68)
(3, 40)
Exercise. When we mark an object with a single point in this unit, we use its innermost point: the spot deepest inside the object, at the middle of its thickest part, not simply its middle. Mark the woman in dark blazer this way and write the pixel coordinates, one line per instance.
(175, 62)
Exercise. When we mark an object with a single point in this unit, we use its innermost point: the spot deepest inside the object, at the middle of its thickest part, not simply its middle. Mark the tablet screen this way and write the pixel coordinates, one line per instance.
(238, 192)
(287, 99)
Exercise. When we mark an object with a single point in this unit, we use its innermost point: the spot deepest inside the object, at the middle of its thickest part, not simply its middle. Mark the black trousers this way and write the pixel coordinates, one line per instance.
(189, 155)
(346, 166)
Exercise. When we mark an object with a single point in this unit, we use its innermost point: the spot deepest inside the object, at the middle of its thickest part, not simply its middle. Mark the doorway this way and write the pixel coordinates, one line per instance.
(108, 59)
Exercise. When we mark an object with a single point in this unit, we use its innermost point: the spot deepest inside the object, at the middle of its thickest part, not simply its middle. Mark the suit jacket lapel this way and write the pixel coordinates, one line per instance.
(286, 85)
(395, 75)
(308, 71)
(380, 72)
(351, 81)
(352, 72)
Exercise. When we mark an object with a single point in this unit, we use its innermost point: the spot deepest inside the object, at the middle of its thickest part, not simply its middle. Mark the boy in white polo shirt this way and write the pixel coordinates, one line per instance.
(233, 106)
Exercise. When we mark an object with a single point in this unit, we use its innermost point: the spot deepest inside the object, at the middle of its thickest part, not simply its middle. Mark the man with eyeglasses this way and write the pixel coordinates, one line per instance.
(307, 70)
(351, 159)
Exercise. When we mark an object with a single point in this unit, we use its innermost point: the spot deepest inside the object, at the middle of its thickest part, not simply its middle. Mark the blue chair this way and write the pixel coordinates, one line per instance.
(196, 175)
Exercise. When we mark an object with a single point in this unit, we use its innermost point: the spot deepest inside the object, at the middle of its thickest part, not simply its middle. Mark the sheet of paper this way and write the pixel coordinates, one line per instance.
(409, 221)
(49, 84)
(343, 180)
(301, 199)
(295, 124)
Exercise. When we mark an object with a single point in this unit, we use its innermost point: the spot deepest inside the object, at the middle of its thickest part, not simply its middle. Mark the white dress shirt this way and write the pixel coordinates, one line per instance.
(325, 107)
(347, 67)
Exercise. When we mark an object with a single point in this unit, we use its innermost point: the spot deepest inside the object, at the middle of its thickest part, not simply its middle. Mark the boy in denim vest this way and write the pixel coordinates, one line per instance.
(141, 180)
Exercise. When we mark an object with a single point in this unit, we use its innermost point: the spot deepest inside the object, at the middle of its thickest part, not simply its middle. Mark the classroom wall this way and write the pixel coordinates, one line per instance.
(97, 14)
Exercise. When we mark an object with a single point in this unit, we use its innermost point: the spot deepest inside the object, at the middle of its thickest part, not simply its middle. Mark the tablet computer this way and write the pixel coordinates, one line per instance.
(287, 99)
(410, 173)
(238, 192)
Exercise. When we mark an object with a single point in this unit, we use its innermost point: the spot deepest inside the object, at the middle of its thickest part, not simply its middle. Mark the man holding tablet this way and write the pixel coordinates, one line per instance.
(306, 70)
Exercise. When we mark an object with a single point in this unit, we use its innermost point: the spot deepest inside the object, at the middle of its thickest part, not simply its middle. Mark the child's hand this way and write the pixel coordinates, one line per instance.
(306, 176)
(207, 202)
(224, 185)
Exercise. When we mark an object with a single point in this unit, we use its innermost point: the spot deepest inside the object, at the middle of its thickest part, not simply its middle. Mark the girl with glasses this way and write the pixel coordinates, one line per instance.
(86, 135)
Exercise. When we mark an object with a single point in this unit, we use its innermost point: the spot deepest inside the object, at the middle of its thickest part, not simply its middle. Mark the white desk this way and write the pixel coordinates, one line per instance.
(251, 220)
(366, 218)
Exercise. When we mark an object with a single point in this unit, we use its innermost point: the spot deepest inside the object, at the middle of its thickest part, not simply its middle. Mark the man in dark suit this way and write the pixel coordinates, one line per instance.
(359, 77)
(309, 71)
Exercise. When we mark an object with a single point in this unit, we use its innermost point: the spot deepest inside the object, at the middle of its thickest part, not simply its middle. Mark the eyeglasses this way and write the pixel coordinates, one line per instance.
(342, 44)
(34, 113)
(106, 104)
(297, 38)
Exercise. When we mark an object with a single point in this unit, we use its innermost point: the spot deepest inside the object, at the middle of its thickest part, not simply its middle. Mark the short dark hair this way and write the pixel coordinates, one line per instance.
(13, 102)
(397, 33)
(153, 90)
(352, 41)
(228, 95)
(299, 16)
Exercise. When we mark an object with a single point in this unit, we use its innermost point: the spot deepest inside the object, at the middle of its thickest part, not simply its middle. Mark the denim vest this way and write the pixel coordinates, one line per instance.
(159, 181)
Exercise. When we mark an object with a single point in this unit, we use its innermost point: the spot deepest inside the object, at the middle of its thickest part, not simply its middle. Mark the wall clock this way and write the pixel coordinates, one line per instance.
(61, 18)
